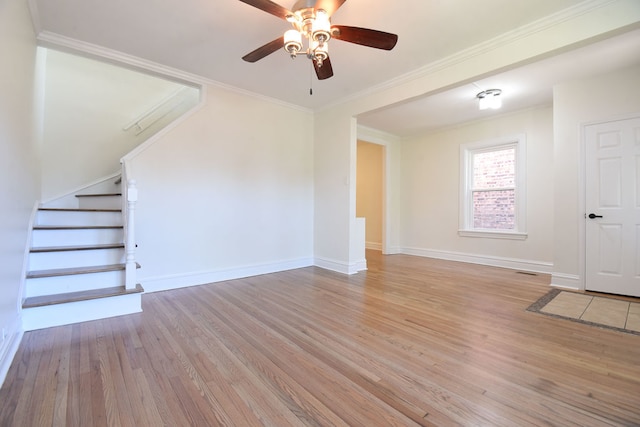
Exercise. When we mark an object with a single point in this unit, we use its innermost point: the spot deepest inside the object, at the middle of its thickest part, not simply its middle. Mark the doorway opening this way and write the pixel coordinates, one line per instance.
(370, 191)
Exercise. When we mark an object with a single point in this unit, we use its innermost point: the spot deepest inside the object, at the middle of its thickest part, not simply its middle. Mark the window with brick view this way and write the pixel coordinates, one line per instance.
(492, 202)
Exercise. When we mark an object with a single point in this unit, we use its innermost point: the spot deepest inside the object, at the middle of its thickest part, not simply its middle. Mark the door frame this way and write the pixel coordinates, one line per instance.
(390, 144)
(582, 194)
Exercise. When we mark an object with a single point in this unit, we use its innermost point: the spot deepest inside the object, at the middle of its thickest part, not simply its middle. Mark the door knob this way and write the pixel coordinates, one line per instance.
(592, 216)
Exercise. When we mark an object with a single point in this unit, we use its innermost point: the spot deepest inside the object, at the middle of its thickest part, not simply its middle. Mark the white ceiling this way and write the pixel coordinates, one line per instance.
(209, 37)
(523, 87)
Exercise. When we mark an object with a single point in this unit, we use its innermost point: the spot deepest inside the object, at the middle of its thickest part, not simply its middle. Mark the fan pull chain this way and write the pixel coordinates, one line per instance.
(311, 79)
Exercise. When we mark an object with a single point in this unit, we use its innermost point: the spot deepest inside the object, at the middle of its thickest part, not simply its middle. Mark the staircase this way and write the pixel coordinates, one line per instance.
(77, 260)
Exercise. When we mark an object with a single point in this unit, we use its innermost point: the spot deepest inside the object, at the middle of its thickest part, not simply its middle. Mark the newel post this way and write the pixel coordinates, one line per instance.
(130, 271)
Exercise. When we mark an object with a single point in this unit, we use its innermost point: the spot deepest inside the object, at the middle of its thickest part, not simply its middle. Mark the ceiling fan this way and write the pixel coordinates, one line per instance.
(311, 20)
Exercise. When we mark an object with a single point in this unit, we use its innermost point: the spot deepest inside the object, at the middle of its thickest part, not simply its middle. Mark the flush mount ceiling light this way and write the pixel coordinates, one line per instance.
(489, 99)
(312, 28)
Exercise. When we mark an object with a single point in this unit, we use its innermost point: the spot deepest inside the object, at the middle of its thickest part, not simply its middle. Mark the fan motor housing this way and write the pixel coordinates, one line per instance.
(303, 4)
(303, 16)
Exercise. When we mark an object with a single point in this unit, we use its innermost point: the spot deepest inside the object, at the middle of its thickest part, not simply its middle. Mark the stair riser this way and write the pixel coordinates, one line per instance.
(78, 218)
(69, 259)
(47, 238)
(73, 283)
(81, 311)
(100, 202)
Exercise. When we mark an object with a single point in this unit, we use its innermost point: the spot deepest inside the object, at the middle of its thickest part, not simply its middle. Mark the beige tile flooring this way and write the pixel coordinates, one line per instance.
(602, 310)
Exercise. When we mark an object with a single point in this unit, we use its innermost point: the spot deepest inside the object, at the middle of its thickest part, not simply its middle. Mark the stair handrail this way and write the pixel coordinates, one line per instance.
(158, 111)
(129, 199)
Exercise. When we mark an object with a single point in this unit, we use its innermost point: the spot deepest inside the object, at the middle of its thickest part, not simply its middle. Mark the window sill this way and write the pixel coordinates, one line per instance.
(509, 235)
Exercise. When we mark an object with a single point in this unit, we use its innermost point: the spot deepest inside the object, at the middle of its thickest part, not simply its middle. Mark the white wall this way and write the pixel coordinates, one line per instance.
(19, 164)
(576, 104)
(431, 187)
(87, 105)
(334, 160)
(226, 193)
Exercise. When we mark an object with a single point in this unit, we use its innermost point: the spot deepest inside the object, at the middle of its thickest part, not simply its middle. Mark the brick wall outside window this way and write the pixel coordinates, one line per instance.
(494, 189)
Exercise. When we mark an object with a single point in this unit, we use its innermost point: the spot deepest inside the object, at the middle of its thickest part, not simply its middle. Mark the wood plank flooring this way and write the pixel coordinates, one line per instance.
(412, 341)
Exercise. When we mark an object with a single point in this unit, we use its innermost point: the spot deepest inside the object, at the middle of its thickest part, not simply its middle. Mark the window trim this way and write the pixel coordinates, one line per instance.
(519, 142)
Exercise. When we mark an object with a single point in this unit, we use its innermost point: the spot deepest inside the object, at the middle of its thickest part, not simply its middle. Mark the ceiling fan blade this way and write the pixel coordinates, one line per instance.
(329, 6)
(265, 50)
(269, 7)
(325, 71)
(364, 36)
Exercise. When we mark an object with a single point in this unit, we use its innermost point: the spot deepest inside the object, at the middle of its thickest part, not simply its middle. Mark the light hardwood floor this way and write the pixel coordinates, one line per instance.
(412, 341)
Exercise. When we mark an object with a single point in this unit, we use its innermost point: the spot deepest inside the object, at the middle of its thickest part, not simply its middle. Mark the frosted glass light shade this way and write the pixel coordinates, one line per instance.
(321, 29)
(292, 42)
(490, 99)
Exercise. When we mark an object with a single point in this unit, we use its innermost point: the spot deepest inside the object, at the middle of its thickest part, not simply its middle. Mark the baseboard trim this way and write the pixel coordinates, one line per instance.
(493, 261)
(566, 281)
(9, 348)
(392, 250)
(340, 266)
(376, 246)
(177, 281)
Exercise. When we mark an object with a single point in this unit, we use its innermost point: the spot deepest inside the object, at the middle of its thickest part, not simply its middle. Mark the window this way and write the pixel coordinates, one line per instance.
(492, 193)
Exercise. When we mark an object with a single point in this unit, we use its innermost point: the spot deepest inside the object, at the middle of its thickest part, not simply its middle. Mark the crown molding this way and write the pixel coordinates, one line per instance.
(67, 44)
(376, 136)
(481, 48)
(56, 41)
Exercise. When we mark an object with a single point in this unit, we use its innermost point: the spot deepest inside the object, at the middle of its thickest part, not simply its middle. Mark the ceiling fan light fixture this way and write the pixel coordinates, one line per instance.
(489, 99)
(321, 27)
(311, 22)
(292, 42)
(319, 52)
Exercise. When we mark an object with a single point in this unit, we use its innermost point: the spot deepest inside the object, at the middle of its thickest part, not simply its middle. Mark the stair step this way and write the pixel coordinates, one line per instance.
(80, 306)
(99, 201)
(44, 236)
(48, 285)
(78, 247)
(78, 210)
(76, 270)
(75, 227)
(99, 195)
(87, 216)
(45, 300)
(71, 259)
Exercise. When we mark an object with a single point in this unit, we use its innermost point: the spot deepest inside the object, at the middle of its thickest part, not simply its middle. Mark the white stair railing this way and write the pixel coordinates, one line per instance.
(129, 199)
(130, 239)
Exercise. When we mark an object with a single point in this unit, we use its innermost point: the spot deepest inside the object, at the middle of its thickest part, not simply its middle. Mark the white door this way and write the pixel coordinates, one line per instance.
(613, 207)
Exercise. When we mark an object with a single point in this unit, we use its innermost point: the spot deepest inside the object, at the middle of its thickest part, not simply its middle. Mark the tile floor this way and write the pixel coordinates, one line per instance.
(601, 310)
